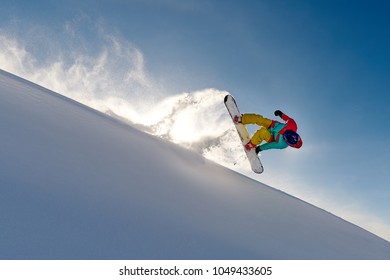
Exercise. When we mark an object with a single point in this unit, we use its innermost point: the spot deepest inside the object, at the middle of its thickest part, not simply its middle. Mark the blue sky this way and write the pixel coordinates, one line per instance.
(324, 63)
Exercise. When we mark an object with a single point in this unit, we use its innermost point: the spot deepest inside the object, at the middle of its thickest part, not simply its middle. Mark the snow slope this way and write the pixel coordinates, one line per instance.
(77, 184)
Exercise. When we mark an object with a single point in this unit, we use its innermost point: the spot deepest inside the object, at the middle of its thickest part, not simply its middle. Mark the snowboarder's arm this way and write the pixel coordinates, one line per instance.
(291, 124)
(286, 118)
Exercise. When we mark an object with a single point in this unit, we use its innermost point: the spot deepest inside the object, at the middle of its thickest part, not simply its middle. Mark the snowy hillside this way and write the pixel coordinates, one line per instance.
(77, 184)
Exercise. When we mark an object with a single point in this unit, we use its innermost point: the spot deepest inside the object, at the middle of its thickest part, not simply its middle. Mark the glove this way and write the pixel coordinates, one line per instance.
(249, 146)
(278, 113)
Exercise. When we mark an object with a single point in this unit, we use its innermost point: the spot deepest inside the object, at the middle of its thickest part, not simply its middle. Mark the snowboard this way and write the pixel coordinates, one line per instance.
(253, 158)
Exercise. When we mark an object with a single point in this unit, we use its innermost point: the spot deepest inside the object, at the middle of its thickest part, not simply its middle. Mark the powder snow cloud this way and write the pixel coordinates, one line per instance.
(114, 81)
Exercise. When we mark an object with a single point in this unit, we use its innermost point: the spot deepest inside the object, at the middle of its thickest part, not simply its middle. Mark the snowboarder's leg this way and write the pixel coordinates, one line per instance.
(256, 119)
(261, 135)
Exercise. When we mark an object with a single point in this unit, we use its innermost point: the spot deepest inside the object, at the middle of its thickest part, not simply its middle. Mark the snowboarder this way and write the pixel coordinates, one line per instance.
(277, 135)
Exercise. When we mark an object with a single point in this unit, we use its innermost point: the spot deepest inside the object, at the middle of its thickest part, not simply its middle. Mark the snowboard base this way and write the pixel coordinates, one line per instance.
(253, 158)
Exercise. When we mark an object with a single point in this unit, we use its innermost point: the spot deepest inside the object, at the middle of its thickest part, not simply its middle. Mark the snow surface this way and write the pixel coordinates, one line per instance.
(78, 184)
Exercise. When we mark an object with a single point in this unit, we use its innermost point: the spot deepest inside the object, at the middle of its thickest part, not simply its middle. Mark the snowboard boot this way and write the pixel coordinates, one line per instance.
(237, 119)
(249, 146)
